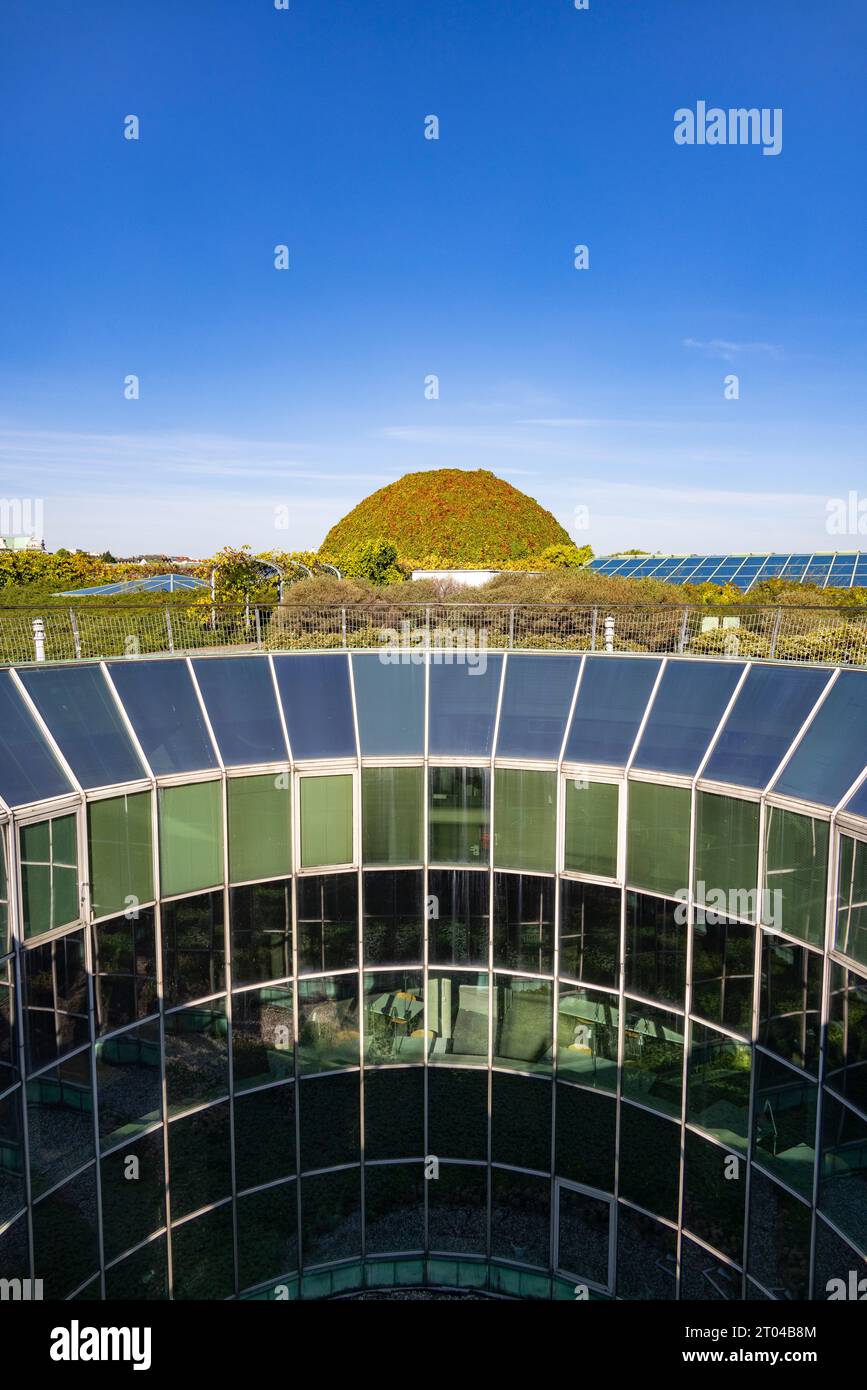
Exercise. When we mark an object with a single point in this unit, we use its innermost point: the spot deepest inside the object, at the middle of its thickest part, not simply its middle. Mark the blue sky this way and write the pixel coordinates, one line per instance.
(304, 389)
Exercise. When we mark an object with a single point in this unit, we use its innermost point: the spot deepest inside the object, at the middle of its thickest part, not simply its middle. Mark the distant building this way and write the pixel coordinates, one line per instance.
(471, 579)
(21, 543)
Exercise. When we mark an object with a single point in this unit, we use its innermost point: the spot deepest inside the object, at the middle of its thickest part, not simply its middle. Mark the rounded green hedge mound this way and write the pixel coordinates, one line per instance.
(449, 517)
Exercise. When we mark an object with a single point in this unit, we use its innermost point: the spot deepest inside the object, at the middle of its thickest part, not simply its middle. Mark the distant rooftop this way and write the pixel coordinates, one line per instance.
(154, 584)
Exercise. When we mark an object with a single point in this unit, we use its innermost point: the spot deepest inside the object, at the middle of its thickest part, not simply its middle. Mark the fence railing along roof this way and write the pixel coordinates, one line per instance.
(835, 636)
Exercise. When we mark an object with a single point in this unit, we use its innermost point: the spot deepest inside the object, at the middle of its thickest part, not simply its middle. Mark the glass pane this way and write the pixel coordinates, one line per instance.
(124, 970)
(784, 1124)
(133, 1204)
(536, 702)
(393, 918)
(649, 1160)
(525, 812)
(718, 1086)
(261, 918)
(392, 1093)
(29, 770)
(330, 1108)
(196, 1055)
(129, 1085)
(328, 1023)
(260, 827)
(194, 948)
(689, 705)
(653, 1057)
(463, 708)
(49, 875)
(327, 917)
(80, 712)
(779, 1239)
(242, 706)
(523, 1023)
(457, 1112)
(394, 1017)
(326, 820)
(162, 705)
(391, 815)
(315, 694)
(459, 815)
(263, 1037)
(331, 1217)
(850, 937)
(121, 853)
(521, 1121)
(458, 1210)
(834, 748)
(393, 1208)
(586, 1126)
(587, 1023)
(13, 1196)
(612, 698)
(727, 855)
(646, 1257)
(458, 1018)
(713, 1197)
(589, 932)
(520, 1217)
(789, 1002)
(584, 1236)
(267, 1234)
(655, 949)
(834, 1262)
(191, 837)
(202, 1256)
(54, 999)
(843, 1190)
(59, 1122)
(591, 827)
(65, 1249)
(772, 706)
(264, 1136)
(722, 971)
(458, 914)
(524, 923)
(703, 1278)
(847, 1036)
(390, 704)
(657, 852)
(5, 934)
(796, 874)
(141, 1275)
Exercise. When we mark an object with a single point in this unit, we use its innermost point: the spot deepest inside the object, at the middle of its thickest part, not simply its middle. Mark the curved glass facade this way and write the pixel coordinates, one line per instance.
(325, 969)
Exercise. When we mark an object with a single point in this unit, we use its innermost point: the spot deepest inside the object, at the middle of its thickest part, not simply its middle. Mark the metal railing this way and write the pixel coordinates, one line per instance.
(830, 635)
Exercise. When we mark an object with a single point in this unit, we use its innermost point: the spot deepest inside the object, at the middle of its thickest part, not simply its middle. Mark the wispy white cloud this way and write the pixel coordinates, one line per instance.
(722, 347)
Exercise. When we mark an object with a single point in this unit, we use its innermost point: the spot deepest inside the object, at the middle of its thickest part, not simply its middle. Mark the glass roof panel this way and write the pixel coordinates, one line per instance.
(536, 702)
(81, 714)
(317, 702)
(242, 706)
(29, 770)
(834, 749)
(161, 702)
(773, 703)
(689, 704)
(390, 703)
(612, 698)
(463, 709)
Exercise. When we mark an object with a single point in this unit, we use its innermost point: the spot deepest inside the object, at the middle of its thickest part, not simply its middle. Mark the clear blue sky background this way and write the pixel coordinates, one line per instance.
(305, 388)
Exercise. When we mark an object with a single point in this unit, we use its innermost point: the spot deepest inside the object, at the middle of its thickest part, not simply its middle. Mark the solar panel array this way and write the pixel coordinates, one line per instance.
(153, 584)
(844, 570)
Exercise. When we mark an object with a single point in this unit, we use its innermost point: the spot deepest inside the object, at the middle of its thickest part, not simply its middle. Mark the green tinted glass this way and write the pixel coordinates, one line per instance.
(4, 897)
(391, 815)
(658, 837)
(49, 875)
(591, 827)
(727, 854)
(524, 819)
(260, 827)
(191, 837)
(121, 853)
(326, 820)
(851, 933)
(459, 815)
(796, 875)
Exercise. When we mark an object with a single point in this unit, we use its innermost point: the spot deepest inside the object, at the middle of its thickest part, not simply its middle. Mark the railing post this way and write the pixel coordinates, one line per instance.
(247, 613)
(608, 633)
(258, 626)
(776, 632)
(75, 637)
(169, 630)
(343, 625)
(681, 641)
(39, 638)
(511, 627)
(594, 618)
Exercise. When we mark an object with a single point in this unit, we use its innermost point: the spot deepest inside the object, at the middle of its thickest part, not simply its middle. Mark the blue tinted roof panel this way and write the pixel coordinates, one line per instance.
(612, 698)
(834, 749)
(163, 708)
(317, 703)
(773, 703)
(29, 770)
(81, 713)
(689, 705)
(536, 701)
(241, 702)
(463, 708)
(390, 703)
